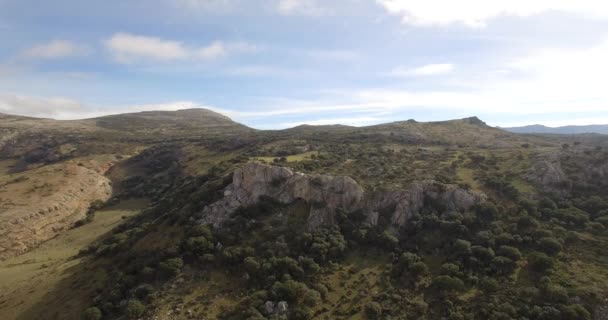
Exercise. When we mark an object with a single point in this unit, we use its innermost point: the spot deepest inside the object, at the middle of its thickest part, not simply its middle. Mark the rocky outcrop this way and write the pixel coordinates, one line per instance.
(400, 206)
(38, 204)
(548, 174)
(326, 194)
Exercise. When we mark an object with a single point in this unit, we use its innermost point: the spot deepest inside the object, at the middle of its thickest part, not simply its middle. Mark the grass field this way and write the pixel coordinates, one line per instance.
(25, 279)
(291, 158)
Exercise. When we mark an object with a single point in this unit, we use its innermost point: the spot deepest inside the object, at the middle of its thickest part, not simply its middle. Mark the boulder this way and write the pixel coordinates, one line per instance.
(282, 307)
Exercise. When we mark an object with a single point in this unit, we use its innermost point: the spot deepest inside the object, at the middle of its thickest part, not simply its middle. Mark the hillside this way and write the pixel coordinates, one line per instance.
(405, 220)
(537, 128)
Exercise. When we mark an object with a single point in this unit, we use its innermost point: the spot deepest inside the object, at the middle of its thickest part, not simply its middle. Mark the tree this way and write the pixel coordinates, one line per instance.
(135, 309)
(503, 265)
(373, 310)
(509, 252)
(171, 267)
(550, 246)
(540, 262)
(447, 284)
(461, 248)
(92, 313)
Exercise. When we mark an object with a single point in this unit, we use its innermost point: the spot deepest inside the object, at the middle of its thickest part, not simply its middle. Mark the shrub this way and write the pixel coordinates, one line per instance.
(447, 284)
(92, 313)
(575, 312)
(135, 309)
(540, 262)
(503, 265)
(373, 310)
(509, 252)
(462, 248)
(171, 267)
(550, 246)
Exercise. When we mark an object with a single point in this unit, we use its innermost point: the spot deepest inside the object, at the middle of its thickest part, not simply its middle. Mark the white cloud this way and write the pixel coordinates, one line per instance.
(426, 70)
(338, 55)
(37, 106)
(350, 121)
(129, 48)
(477, 13)
(212, 5)
(56, 49)
(301, 7)
(214, 50)
(66, 108)
(269, 71)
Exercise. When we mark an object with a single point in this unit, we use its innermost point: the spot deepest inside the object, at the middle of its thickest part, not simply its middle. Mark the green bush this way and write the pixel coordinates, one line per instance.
(509, 252)
(171, 267)
(540, 262)
(92, 313)
(135, 309)
(373, 310)
(550, 246)
(447, 284)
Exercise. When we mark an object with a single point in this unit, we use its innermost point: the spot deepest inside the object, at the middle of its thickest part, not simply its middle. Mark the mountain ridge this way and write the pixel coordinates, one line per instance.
(570, 129)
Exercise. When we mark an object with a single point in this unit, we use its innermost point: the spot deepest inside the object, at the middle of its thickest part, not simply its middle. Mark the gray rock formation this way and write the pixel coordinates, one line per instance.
(327, 193)
(402, 205)
(253, 180)
(282, 307)
(548, 174)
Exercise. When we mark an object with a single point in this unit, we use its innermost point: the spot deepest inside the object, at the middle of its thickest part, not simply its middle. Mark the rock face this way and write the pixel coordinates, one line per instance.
(548, 174)
(326, 193)
(38, 204)
(253, 180)
(400, 206)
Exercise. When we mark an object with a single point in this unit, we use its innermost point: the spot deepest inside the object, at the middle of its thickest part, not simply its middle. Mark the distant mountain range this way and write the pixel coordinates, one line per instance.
(537, 128)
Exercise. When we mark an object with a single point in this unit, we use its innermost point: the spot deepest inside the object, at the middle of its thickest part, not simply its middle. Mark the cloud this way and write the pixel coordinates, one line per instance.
(426, 70)
(300, 7)
(209, 5)
(129, 48)
(269, 71)
(338, 55)
(477, 13)
(56, 49)
(66, 108)
(350, 121)
(36, 106)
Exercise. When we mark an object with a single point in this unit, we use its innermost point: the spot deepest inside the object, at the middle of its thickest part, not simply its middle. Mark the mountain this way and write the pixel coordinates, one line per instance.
(537, 128)
(190, 215)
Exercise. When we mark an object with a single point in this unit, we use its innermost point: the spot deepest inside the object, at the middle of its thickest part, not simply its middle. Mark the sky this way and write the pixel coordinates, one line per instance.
(280, 63)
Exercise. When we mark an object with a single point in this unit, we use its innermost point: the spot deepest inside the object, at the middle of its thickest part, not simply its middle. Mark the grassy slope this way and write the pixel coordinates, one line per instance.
(26, 279)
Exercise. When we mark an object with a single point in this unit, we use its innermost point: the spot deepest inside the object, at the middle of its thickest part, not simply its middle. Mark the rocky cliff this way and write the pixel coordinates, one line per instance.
(401, 205)
(253, 180)
(327, 193)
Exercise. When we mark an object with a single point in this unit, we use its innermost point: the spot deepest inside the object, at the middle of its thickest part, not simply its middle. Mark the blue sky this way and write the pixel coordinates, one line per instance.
(281, 63)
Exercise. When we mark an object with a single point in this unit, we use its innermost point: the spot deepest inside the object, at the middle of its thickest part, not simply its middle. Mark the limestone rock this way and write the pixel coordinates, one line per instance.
(326, 194)
(402, 205)
(253, 180)
(282, 307)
